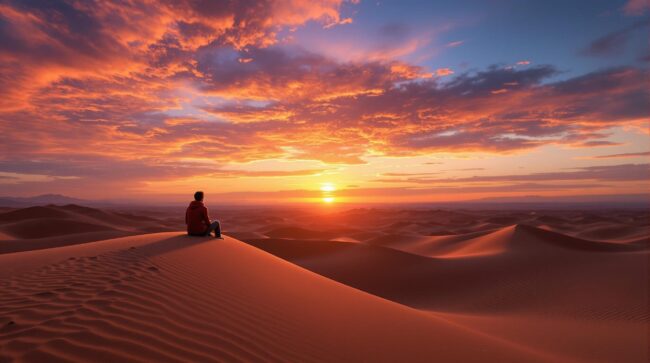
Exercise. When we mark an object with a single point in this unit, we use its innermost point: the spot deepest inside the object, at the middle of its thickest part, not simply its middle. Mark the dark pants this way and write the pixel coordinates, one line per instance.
(214, 226)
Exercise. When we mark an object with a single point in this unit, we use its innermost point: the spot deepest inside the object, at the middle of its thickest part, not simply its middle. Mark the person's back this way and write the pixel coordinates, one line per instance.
(197, 219)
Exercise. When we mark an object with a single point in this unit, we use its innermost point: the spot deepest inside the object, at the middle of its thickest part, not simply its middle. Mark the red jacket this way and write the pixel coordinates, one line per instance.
(196, 218)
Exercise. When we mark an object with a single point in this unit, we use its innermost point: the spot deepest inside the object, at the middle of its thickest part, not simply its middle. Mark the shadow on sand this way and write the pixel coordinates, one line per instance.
(174, 243)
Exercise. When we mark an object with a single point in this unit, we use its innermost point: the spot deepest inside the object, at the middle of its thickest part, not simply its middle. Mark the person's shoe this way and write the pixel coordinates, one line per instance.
(218, 237)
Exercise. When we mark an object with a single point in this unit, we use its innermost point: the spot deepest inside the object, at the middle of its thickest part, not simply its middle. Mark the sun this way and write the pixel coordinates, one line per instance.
(327, 187)
(327, 191)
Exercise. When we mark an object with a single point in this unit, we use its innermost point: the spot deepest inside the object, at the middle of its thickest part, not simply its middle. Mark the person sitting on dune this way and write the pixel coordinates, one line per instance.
(197, 219)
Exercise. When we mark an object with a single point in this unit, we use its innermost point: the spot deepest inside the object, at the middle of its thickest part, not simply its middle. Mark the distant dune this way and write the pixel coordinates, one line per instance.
(359, 285)
(51, 226)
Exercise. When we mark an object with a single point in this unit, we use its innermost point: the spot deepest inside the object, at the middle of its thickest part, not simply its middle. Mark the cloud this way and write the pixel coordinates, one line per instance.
(166, 90)
(44, 41)
(636, 7)
(225, 173)
(455, 44)
(623, 172)
(287, 74)
(613, 43)
(438, 190)
(333, 119)
(624, 155)
(408, 174)
(371, 104)
(340, 22)
(441, 72)
(386, 42)
(596, 143)
(466, 169)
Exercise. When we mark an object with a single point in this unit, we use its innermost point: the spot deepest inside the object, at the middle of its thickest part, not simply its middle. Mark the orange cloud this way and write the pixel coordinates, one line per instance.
(172, 92)
(55, 40)
(407, 71)
(126, 119)
(224, 173)
(441, 72)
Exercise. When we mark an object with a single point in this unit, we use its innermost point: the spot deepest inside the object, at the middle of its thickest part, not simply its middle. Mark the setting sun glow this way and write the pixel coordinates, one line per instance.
(327, 190)
(327, 187)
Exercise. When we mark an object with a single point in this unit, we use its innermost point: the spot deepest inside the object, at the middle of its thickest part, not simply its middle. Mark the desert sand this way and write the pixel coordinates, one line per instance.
(86, 284)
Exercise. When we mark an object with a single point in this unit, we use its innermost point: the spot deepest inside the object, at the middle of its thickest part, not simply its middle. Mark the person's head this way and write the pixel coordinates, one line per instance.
(198, 196)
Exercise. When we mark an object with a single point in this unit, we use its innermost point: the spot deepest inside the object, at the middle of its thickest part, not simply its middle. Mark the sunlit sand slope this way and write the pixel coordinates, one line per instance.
(169, 297)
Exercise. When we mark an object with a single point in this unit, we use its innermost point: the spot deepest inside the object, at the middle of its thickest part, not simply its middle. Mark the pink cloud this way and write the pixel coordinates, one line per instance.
(499, 91)
(341, 22)
(624, 155)
(636, 7)
(455, 44)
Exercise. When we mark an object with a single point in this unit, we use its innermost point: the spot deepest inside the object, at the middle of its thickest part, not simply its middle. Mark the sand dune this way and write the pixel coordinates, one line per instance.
(52, 226)
(583, 340)
(10, 244)
(32, 213)
(167, 297)
(609, 232)
(517, 274)
(297, 232)
(516, 239)
(246, 235)
(504, 271)
(5, 237)
(357, 285)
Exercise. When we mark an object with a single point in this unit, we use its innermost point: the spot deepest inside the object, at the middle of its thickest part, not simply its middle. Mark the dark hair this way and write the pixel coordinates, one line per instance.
(198, 196)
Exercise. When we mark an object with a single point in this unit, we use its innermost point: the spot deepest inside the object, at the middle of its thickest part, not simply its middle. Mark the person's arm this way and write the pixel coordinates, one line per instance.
(206, 217)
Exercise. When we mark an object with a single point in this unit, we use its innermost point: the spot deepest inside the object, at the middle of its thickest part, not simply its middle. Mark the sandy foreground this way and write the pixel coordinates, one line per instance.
(475, 293)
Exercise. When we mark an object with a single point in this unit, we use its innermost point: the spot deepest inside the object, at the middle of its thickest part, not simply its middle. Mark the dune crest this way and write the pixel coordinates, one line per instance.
(523, 238)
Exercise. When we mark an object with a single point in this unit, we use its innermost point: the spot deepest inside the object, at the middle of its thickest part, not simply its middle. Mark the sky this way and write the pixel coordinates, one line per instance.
(329, 102)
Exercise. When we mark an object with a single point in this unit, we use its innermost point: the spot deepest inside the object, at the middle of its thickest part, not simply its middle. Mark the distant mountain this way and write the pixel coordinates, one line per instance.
(601, 198)
(594, 201)
(20, 202)
(572, 198)
(624, 201)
